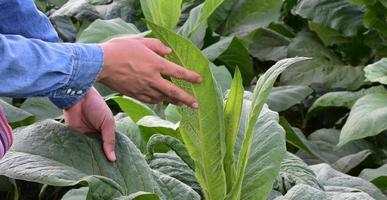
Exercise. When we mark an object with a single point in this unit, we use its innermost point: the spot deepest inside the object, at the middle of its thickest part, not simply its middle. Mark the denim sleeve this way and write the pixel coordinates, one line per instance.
(78, 64)
(32, 67)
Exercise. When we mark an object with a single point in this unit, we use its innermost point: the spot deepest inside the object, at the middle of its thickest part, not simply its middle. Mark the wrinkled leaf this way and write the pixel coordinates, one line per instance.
(15, 116)
(377, 176)
(293, 172)
(103, 30)
(367, 118)
(133, 108)
(377, 72)
(283, 97)
(202, 130)
(342, 99)
(330, 177)
(340, 15)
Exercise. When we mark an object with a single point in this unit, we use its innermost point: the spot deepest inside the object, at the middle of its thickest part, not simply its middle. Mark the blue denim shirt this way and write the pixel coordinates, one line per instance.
(33, 63)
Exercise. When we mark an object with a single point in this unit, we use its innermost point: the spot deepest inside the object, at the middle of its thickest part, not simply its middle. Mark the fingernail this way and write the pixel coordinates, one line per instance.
(199, 79)
(195, 105)
(168, 49)
(113, 156)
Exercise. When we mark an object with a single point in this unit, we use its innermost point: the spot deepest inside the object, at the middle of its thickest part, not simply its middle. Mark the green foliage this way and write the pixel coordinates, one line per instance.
(331, 106)
(202, 130)
(358, 126)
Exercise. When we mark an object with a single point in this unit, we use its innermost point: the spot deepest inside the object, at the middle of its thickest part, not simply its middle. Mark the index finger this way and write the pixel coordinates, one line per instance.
(176, 93)
(178, 72)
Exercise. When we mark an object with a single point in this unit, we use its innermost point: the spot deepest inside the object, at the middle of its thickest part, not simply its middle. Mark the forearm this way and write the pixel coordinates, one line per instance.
(31, 67)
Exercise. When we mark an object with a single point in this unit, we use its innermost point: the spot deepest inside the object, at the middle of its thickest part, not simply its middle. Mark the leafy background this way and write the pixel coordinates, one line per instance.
(332, 107)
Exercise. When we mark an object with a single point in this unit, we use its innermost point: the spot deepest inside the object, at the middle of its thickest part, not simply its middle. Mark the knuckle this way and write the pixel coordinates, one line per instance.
(173, 92)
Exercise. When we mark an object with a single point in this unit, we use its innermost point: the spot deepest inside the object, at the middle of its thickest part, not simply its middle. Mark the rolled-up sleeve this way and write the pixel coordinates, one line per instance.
(31, 64)
(61, 71)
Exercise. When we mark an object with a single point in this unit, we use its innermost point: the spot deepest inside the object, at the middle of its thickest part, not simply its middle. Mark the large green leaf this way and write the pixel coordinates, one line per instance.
(133, 108)
(41, 108)
(198, 17)
(328, 35)
(171, 165)
(15, 116)
(283, 97)
(339, 15)
(127, 127)
(244, 16)
(307, 44)
(325, 69)
(296, 137)
(44, 153)
(304, 192)
(163, 13)
(342, 99)
(375, 15)
(349, 162)
(324, 142)
(293, 172)
(326, 74)
(139, 196)
(261, 93)
(103, 30)
(267, 150)
(69, 18)
(232, 113)
(222, 77)
(266, 45)
(377, 176)
(345, 193)
(172, 143)
(232, 53)
(151, 125)
(367, 118)
(202, 130)
(172, 188)
(377, 72)
(48, 148)
(327, 176)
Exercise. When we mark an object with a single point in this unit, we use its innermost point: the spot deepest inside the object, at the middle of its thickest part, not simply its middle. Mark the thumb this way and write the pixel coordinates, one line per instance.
(108, 129)
(157, 46)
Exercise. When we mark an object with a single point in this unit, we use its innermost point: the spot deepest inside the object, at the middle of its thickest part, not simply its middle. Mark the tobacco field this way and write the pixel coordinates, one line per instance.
(293, 106)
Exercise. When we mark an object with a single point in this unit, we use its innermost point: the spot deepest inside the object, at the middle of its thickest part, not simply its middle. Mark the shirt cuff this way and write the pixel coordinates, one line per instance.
(87, 64)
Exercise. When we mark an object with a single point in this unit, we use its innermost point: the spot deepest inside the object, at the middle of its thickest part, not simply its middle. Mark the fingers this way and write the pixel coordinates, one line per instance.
(178, 72)
(157, 46)
(176, 94)
(109, 138)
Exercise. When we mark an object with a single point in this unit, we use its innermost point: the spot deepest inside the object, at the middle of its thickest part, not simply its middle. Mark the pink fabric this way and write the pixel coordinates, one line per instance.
(6, 138)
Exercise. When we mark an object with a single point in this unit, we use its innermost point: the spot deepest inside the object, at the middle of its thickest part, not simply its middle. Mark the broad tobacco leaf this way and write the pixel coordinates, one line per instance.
(340, 15)
(293, 172)
(267, 151)
(243, 16)
(102, 30)
(231, 52)
(367, 118)
(15, 116)
(44, 153)
(202, 130)
(344, 99)
(377, 72)
(377, 176)
(163, 13)
(327, 176)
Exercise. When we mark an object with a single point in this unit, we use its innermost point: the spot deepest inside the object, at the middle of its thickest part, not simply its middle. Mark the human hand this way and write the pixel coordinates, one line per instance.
(91, 114)
(134, 67)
